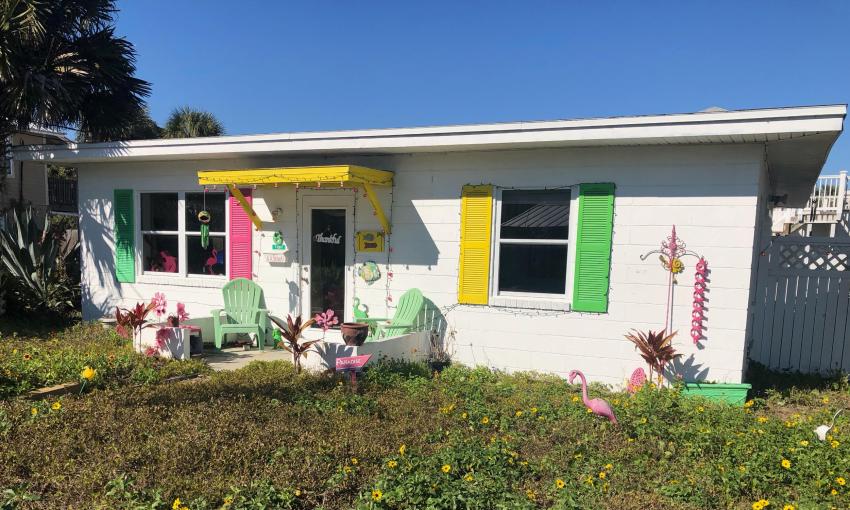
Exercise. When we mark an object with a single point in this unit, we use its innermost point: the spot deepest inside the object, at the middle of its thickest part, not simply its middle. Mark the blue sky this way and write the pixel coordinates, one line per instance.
(315, 65)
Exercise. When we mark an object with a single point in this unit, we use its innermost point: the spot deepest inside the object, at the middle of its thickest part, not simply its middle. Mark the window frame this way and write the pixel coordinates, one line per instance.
(532, 299)
(182, 234)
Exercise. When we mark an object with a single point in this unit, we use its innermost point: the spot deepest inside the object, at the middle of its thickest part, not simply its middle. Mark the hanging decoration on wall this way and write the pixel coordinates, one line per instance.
(204, 217)
(672, 250)
(369, 272)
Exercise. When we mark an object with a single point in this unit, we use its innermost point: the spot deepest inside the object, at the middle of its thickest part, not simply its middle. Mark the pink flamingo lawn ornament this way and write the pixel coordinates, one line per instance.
(599, 406)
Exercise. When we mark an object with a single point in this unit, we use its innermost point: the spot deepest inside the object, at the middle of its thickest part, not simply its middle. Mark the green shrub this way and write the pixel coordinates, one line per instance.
(30, 363)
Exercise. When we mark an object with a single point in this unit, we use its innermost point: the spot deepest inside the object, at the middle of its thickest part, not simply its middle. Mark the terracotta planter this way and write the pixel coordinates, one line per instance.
(354, 333)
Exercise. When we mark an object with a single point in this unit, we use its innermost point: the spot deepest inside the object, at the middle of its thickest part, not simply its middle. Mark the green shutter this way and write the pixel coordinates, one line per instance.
(125, 247)
(593, 247)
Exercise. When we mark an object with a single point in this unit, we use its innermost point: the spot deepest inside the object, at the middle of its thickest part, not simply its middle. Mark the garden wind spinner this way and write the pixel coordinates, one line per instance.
(672, 250)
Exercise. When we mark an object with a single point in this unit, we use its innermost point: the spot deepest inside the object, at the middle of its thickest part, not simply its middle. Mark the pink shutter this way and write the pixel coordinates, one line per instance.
(239, 238)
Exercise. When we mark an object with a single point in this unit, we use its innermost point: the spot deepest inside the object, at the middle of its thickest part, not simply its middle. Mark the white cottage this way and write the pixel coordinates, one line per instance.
(526, 237)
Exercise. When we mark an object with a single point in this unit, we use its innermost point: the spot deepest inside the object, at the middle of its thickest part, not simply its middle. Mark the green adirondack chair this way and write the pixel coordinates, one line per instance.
(242, 312)
(404, 320)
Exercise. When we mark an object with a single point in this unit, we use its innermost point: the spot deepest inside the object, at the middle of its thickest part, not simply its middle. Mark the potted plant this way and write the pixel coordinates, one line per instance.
(731, 393)
(438, 356)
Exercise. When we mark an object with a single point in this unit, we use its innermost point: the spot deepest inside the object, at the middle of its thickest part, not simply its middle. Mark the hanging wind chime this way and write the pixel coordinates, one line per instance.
(204, 217)
(672, 250)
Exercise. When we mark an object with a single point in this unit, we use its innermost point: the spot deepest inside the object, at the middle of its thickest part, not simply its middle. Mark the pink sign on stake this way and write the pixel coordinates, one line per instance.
(352, 363)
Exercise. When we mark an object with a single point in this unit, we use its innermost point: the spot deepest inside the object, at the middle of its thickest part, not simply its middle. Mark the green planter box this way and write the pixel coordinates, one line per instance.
(735, 394)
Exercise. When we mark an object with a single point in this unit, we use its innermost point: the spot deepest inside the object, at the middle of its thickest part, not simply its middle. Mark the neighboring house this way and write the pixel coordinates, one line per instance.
(527, 237)
(30, 182)
(826, 214)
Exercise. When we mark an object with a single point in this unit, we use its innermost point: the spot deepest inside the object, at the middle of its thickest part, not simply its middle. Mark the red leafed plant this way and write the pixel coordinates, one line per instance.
(291, 332)
(656, 348)
(131, 322)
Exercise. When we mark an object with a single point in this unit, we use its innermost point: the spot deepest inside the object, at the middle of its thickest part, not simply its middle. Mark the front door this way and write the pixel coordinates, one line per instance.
(328, 254)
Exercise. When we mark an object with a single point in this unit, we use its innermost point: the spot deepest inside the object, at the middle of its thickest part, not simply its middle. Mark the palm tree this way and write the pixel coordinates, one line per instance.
(187, 122)
(62, 66)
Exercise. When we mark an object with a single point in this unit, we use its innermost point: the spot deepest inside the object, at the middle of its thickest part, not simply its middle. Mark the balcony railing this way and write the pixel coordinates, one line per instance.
(63, 194)
(829, 199)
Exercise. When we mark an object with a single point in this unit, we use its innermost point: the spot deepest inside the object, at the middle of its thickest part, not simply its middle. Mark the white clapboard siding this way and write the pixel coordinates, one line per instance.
(802, 305)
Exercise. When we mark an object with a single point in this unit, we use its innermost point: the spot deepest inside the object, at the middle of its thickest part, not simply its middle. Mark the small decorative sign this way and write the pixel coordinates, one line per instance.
(327, 239)
(352, 363)
(370, 241)
(278, 244)
(275, 258)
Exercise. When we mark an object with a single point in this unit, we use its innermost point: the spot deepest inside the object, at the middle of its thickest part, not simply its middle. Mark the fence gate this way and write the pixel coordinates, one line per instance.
(802, 303)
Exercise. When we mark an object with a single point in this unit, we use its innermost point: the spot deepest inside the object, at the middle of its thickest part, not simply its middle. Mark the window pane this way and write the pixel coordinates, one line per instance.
(535, 214)
(215, 206)
(206, 261)
(160, 253)
(533, 268)
(159, 211)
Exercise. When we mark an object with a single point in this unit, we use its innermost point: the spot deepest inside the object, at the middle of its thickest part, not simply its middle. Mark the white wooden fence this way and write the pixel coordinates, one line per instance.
(802, 305)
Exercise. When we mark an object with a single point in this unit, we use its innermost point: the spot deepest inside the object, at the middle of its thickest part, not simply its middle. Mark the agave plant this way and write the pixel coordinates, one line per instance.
(34, 264)
(291, 332)
(656, 348)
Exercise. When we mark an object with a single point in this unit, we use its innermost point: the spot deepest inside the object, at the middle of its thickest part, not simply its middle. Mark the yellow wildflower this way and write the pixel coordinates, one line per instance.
(468, 477)
(464, 415)
(786, 463)
(392, 464)
(485, 420)
(56, 406)
(354, 460)
(762, 419)
(446, 468)
(347, 469)
(834, 444)
(789, 506)
(631, 440)
(643, 420)
(177, 503)
(34, 411)
(88, 374)
(533, 410)
(749, 403)
(575, 398)
(377, 495)
(228, 501)
(518, 414)
(825, 400)
(804, 443)
(560, 484)
(298, 493)
(588, 410)
(700, 409)
(402, 449)
(760, 504)
(530, 494)
(841, 481)
(602, 475)
(742, 469)
(609, 467)
(833, 492)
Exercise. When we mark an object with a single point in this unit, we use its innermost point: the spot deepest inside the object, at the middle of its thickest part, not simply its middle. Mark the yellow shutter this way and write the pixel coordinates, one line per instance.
(475, 226)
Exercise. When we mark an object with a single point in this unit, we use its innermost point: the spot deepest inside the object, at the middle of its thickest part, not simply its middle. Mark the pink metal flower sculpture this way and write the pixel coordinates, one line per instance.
(159, 303)
(599, 406)
(182, 314)
(326, 320)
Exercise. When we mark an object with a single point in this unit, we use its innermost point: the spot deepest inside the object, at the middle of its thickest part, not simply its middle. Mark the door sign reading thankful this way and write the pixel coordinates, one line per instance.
(327, 238)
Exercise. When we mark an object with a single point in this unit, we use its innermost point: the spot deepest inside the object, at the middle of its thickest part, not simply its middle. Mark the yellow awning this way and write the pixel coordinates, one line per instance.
(334, 174)
(298, 175)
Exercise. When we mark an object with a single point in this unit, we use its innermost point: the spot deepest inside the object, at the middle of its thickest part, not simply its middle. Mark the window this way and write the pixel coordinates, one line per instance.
(531, 243)
(171, 233)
